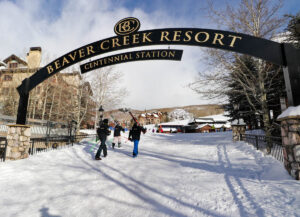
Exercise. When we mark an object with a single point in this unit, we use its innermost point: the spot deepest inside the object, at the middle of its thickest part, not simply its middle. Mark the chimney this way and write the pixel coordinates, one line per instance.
(34, 57)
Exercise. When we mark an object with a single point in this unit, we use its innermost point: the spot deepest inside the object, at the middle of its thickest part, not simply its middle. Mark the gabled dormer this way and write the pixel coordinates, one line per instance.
(14, 62)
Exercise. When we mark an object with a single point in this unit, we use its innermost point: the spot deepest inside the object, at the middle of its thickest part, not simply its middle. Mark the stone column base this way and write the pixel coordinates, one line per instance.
(18, 141)
(290, 132)
(237, 130)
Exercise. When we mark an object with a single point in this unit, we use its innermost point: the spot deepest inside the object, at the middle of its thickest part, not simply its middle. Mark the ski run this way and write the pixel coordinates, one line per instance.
(174, 175)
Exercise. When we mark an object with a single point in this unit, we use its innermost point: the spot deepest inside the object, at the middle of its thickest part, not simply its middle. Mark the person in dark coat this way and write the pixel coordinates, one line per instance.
(134, 136)
(117, 135)
(103, 131)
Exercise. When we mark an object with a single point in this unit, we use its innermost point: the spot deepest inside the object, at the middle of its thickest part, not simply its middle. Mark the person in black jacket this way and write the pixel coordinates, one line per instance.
(103, 131)
(134, 135)
(117, 135)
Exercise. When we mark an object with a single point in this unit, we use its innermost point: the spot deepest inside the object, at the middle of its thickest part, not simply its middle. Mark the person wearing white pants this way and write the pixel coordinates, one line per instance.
(117, 135)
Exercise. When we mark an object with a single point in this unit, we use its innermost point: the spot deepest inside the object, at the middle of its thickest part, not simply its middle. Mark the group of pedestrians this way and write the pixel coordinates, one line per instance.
(103, 131)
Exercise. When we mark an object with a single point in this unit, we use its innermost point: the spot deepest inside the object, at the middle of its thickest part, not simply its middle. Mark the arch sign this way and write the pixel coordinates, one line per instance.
(129, 36)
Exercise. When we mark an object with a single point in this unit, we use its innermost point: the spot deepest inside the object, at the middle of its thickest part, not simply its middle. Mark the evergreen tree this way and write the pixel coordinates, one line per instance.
(294, 29)
(250, 108)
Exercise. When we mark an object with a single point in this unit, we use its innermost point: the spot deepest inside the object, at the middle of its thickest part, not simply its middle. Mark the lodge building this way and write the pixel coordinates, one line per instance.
(150, 118)
(13, 70)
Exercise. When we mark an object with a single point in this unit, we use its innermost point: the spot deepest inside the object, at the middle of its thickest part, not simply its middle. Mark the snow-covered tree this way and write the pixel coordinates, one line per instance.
(180, 114)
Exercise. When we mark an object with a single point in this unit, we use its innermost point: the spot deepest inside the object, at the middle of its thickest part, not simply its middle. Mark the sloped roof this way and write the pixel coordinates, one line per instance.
(206, 120)
(2, 64)
(14, 57)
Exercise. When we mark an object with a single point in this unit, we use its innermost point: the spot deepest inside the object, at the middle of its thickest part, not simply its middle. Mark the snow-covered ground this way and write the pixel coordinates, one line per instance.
(174, 175)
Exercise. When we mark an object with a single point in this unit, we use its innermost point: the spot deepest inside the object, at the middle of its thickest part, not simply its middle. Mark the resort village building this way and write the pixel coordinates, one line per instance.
(55, 99)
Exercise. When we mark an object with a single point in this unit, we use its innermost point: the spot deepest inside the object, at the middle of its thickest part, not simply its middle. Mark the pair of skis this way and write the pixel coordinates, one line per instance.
(134, 118)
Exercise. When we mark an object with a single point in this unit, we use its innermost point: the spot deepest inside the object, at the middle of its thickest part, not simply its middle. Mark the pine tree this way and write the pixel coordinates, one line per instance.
(294, 29)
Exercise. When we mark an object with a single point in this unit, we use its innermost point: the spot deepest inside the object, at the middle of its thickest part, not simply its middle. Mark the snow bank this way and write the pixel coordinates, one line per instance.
(175, 175)
(88, 131)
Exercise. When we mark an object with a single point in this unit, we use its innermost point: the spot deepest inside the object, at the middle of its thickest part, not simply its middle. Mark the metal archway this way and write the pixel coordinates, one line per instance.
(277, 53)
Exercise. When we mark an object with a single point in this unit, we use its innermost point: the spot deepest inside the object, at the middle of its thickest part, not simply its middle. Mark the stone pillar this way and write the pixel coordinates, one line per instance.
(18, 142)
(238, 128)
(290, 132)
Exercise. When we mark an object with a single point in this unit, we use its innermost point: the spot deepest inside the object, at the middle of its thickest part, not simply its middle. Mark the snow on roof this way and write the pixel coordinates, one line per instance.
(217, 126)
(206, 120)
(202, 125)
(16, 58)
(143, 115)
(2, 64)
(155, 115)
(178, 122)
(219, 117)
(290, 112)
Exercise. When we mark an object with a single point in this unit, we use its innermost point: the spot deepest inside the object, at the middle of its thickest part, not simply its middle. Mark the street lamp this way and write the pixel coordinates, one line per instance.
(101, 112)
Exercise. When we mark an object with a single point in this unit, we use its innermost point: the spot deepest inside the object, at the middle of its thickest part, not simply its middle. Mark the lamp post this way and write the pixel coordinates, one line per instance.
(72, 135)
(101, 112)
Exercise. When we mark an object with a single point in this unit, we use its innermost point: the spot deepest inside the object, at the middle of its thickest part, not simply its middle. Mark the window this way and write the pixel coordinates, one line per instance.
(7, 78)
(13, 65)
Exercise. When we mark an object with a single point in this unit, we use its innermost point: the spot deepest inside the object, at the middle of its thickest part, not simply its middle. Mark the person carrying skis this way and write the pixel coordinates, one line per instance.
(103, 131)
(134, 135)
(117, 135)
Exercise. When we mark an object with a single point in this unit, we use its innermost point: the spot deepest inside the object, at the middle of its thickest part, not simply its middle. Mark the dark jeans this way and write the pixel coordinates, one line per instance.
(102, 146)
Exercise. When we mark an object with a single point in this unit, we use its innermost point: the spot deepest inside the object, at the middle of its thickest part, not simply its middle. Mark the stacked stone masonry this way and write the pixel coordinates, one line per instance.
(18, 142)
(290, 132)
(237, 130)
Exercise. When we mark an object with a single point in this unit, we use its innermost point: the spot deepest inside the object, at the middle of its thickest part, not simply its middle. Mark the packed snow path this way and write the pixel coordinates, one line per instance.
(174, 175)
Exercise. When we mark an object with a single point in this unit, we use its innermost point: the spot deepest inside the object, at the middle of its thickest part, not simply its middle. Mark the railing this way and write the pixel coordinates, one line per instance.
(264, 143)
(3, 146)
(51, 143)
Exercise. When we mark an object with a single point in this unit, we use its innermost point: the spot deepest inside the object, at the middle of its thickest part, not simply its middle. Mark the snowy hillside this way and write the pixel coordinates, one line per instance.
(174, 175)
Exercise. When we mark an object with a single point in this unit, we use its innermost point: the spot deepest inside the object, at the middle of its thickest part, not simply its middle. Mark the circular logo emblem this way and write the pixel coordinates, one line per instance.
(127, 26)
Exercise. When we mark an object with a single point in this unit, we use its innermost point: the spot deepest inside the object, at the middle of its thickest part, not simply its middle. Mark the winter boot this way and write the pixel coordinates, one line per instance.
(119, 145)
(98, 158)
(113, 145)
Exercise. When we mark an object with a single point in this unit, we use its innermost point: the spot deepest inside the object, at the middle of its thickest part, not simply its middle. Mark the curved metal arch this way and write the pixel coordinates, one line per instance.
(236, 42)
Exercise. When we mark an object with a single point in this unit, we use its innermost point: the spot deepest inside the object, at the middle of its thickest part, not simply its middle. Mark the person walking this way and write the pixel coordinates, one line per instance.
(134, 136)
(103, 131)
(117, 135)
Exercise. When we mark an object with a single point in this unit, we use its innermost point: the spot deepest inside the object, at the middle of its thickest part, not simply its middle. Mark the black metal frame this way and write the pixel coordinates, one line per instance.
(261, 143)
(277, 53)
(3, 147)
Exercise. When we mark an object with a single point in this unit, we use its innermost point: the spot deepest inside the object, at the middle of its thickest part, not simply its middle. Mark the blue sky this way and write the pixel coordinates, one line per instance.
(59, 26)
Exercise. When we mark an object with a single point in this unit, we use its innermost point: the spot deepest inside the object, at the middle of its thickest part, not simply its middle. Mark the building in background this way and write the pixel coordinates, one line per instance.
(62, 97)
(150, 118)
